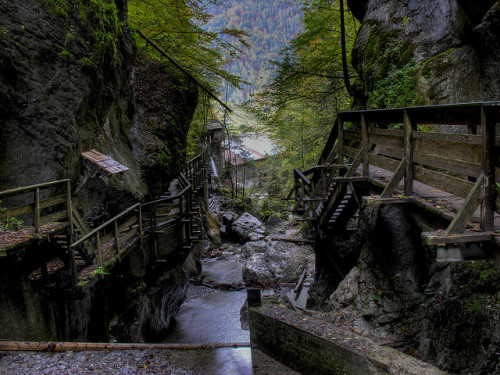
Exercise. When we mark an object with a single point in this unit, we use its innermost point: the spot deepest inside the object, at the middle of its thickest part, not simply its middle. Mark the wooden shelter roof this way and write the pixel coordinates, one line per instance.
(103, 162)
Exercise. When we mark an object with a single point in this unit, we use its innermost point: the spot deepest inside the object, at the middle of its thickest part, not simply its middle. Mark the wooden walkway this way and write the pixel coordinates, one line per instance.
(407, 153)
(48, 211)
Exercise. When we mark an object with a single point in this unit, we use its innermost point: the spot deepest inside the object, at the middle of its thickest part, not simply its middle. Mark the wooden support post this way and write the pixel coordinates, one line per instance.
(365, 147)
(409, 126)
(69, 206)
(396, 178)
(340, 142)
(117, 240)
(469, 207)
(98, 246)
(488, 168)
(37, 211)
(139, 220)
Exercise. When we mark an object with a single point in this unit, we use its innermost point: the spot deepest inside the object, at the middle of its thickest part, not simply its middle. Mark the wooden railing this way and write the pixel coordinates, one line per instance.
(118, 235)
(40, 211)
(196, 171)
(463, 164)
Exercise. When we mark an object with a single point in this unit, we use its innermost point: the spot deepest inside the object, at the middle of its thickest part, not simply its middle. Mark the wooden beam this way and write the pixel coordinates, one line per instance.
(340, 141)
(488, 124)
(409, 173)
(470, 205)
(445, 182)
(381, 201)
(86, 346)
(365, 146)
(442, 238)
(396, 178)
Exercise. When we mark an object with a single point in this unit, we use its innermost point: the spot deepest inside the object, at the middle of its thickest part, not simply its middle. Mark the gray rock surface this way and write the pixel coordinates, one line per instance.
(447, 51)
(248, 228)
(282, 262)
(253, 247)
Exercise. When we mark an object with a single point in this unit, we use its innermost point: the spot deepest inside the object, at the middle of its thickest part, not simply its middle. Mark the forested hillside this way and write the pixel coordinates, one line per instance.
(269, 25)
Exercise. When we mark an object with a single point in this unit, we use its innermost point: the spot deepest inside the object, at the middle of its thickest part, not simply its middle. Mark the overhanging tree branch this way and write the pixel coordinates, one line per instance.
(178, 66)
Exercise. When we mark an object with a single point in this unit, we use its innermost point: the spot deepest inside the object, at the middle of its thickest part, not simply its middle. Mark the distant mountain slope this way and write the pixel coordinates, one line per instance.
(270, 24)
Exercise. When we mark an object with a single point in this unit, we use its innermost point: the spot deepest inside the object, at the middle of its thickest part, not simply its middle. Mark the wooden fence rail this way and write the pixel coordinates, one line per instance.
(463, 164)
(40, 211)
(114, 238)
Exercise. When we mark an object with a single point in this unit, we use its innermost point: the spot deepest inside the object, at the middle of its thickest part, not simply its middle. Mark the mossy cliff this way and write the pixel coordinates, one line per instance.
(67, 85)
(426, 52)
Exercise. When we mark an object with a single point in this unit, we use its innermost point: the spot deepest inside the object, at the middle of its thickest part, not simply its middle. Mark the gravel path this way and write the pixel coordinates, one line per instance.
(241, 361)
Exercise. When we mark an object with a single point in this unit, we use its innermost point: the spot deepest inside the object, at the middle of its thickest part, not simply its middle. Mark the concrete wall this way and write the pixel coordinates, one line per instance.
(313, 346)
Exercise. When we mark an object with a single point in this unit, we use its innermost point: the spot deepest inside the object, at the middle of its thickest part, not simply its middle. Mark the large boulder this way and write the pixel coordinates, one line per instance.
(254, 247)
(283, 262)
(248, 228)
(426, 52)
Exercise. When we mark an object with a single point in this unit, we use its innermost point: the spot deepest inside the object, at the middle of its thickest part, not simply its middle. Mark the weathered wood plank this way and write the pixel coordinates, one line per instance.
(382, 201)
(459, 151)
(13, 212)
(443, 182)
(387, 140)
(365, 146)
(470, 205)
(441, 162)
(130, 234)
(131, 221)
(54, 217)
(409, 145)
(385, 163)
(488, 125)
(469, 139)
(441, 238)
(340, 141)
(27, 189)
(396, 178)
(350, 179)
(86, 346)
(59, 199)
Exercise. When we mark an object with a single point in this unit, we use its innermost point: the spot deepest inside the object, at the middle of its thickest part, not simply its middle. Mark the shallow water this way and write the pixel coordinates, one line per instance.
(215, 318)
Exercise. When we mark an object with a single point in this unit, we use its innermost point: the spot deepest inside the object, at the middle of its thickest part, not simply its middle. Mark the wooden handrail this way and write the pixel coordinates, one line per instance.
(466, 154)
(102, 226)
(25, 189)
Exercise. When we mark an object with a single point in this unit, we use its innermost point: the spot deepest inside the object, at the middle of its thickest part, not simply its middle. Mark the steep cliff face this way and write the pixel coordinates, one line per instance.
(445, 313)
(67, 85)
(426, 52)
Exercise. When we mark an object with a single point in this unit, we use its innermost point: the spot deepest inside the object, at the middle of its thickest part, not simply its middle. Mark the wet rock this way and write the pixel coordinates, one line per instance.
(212, 227)
(282, 261)
(274, 221)
(248, 228)
(253, 247)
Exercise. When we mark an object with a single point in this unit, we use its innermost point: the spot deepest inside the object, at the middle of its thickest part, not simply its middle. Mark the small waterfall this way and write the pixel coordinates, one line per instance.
(214, 168)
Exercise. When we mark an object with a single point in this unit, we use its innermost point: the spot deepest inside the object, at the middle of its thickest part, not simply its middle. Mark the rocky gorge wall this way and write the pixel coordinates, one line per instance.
(68, 82)
(416, 52)
(397, 293)
(71, 80)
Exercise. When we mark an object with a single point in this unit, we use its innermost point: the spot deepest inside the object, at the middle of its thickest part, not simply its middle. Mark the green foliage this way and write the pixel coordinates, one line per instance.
(269, 206)
(102, 17)
(100, 271)
(12, 224)
(300, 104)
(176, 26)
(65, 54)
(58, 7)
(397, 89)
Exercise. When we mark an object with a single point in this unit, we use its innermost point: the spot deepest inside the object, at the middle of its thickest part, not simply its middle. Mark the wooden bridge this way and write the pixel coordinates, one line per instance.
(406, 156)
(53, 219)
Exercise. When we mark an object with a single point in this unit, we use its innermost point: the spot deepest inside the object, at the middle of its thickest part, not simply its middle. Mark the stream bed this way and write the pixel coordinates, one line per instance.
(214, 316)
